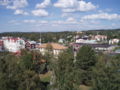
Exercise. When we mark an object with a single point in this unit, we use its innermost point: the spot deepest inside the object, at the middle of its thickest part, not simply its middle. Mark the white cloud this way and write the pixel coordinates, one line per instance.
(40, 12)
(4, 2)
(35, 21)
(102, 16)
(43, 22)
(66, 3)
(18, 4)
(43, 4)
(20, 12)
(74, 5)
(71, 19)
(30, 21)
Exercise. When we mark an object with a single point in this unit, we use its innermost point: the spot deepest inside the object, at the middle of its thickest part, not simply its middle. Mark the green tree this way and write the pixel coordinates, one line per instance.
(106, 76)
(64, 71)
(85, 61)
(13, 75)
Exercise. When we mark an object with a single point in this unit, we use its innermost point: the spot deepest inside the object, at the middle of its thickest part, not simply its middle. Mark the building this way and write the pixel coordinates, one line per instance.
(61, 40)
(12, 44)
(56, 48)
(114, 41)
(1, 45)
(85, 41)
(97, 47)
(100, 37)
(30, 45)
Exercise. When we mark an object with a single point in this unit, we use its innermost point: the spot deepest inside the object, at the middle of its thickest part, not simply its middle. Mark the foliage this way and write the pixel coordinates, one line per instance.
(106, 76)
(64, 71)
(17, 76)
(85, 61)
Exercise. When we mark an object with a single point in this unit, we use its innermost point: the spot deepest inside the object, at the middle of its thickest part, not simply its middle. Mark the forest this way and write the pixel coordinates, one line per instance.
(67, 72)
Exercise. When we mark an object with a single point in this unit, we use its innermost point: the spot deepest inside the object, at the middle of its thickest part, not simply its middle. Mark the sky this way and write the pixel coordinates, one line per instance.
(58, 15)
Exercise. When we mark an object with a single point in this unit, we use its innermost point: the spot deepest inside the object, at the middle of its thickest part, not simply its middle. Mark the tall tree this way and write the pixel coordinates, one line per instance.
(85, 61)
(64, 71)
(106, 76)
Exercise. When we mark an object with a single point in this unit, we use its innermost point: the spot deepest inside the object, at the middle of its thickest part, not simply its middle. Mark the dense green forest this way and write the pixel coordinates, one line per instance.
(95, 70)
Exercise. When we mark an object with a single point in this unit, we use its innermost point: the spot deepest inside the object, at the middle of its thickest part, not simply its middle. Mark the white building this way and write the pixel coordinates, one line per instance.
(13, 44)
(114, 41)
(100, 37)
(56, 48)
(86, 41)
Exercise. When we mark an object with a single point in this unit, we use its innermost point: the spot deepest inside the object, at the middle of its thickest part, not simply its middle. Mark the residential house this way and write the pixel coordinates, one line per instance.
(1, 45)
(12, 44)
(100, 37)
(114, 41)
(56, 48)
(97, 47)
(30, 45)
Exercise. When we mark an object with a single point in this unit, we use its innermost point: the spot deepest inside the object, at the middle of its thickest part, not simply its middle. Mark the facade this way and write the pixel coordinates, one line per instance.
(1, 45)
(30, 45)
(114, 41)
(100, 37)
(85, 41)
(13, 44)
(97, 47)
(56, 48)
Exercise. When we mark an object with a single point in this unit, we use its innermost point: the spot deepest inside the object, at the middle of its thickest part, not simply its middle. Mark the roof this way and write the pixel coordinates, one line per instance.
(54, 46)
(95, 45)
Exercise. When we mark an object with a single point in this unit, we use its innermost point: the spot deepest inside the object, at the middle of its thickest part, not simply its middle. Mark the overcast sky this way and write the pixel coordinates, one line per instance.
(58, 15)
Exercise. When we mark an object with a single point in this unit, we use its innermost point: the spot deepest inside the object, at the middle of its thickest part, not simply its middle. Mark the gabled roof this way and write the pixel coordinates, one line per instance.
(54, 46)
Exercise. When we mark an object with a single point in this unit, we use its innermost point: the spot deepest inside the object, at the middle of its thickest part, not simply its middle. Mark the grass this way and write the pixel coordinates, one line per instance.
(45, 77)
(83, 87)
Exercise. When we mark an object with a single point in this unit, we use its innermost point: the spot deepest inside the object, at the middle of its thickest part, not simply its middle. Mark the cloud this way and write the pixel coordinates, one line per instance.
(71, 19)
(4, 2)
(43, 4)
(17, 4)
(74, 5)
(29, 21)
(102, 16)
(20, 12)
(40, 12)
(35, 21)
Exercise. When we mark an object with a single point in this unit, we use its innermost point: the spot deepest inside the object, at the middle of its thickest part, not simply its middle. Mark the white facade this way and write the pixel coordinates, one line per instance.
(55, 51)
(100, 37)
(114, 41)
(86, 41)
(13, 44)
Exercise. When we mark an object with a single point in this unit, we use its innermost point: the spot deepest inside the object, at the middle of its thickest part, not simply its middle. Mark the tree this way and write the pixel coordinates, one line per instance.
(27, 61)
(13, 75)
(85, 61)
(64, 72)
(106, 76)
(30, 81)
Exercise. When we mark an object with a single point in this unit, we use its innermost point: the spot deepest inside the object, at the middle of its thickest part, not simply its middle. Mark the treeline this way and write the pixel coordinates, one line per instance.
(96, 70)
(55, 36)
(113, 33)
(45, 36)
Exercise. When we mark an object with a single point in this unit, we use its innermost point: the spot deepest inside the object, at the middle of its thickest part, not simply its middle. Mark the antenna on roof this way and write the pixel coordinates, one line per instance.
(40, 38)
